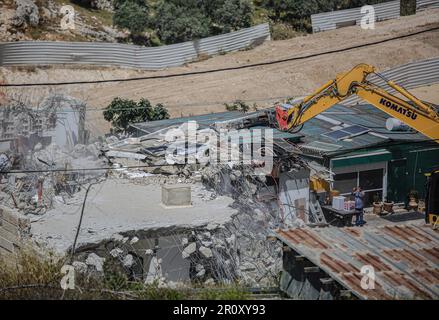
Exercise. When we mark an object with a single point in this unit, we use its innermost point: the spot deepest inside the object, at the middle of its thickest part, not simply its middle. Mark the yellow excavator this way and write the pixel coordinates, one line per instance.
(417, 114)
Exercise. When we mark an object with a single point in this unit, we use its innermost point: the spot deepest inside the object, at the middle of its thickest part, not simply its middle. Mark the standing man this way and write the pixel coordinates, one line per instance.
(359, 206)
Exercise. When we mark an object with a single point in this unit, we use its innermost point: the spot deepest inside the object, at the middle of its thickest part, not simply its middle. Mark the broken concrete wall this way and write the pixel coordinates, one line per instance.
(145, 256)
(36, 192)
(294, 195)
(13, 228)
(69, 129)
(58, 119)
(167, 256)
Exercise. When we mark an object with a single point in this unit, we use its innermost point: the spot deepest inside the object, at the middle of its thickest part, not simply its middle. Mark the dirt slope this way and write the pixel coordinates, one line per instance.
(201, 94)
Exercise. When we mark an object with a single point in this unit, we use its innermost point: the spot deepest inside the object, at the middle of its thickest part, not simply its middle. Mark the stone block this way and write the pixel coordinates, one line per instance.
(176, 196)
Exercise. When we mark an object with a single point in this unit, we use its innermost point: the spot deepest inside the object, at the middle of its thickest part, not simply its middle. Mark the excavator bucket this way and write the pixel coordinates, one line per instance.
(283, 116)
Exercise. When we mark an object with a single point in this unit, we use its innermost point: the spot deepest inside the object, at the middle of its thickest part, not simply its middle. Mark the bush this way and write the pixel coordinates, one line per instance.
(132, 16)
(408, 7)
(233, 15)
(178, 23)
(122, 112)
(174, 21)
(33, 275)
(283, 31)
(238, 105)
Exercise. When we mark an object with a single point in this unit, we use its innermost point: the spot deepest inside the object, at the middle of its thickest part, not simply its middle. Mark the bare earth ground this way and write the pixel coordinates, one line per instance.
(205, 93)
(429, 93)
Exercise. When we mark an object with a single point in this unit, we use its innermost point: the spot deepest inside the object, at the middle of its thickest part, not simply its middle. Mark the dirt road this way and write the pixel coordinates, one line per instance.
(204, 93)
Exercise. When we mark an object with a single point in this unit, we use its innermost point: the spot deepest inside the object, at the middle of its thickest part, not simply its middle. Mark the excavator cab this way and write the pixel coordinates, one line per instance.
(432, 198)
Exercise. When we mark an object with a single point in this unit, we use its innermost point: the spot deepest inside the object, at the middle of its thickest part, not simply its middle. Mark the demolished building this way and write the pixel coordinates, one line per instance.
(338, 145)
(219, 236)
(57, 119)
(222, 230)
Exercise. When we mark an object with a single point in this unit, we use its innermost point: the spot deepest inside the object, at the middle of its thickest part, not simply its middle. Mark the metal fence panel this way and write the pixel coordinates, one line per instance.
(114, 54)
(426, 4)
(410, 76)
(329, 20)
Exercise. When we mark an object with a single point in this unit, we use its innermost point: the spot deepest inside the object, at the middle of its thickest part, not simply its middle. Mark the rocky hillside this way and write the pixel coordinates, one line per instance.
(41, 20)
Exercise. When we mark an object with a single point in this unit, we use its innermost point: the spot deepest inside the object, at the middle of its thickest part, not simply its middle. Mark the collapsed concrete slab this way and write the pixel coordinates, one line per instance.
(117, 206)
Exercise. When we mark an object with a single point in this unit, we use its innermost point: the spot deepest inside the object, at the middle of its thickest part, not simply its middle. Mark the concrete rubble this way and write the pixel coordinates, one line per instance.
(237, 249)
(219, 238)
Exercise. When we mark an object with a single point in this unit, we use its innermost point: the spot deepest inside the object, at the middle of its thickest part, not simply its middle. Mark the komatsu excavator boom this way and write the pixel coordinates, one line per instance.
(417, 114)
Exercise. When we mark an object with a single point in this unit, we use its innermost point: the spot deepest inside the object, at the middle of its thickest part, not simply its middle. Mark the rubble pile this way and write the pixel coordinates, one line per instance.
(220, 238)
(35, 190)
(237, 250)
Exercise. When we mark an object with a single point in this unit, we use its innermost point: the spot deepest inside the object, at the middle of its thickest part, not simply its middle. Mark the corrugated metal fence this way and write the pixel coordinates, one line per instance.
(426, 4)
(410, 76)
(334, 19)
(49, 52)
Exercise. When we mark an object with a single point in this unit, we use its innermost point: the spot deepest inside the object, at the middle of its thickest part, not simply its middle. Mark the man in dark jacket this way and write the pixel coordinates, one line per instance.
(359, 206)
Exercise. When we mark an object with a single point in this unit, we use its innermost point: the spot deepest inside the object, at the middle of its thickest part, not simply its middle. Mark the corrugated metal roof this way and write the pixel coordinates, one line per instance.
(365, 115)
(362, 114)
(207, 120)
(405, 257)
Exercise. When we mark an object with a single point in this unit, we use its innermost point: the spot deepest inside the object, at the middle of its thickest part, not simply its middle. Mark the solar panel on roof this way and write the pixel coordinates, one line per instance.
(337, 134)
(347, 132)
(355, 129)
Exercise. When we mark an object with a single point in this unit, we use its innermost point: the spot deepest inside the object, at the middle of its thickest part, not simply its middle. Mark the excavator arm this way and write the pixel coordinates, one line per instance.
(415, 113)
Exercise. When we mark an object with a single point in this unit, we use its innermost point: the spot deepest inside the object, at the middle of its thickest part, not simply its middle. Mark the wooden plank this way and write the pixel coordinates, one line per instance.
(6, 215)
(9, 236)
(11, 228)
(311, 269)
(7, 245)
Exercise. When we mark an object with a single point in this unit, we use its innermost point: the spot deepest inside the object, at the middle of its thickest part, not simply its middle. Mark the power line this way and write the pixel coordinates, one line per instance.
(193, 73)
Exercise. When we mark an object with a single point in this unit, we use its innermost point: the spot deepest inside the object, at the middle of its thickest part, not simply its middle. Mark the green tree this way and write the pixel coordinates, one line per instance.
(177, 23)
(159, 112)
(122, 112)
(132, 15)
(118, 3)
(185, 20)
(233, 15)
(238, 105)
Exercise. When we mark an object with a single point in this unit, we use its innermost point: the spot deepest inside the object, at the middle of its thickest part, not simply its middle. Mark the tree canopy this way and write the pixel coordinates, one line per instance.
(174, 21)
(183, 20)
(122, 112)
(132, 15)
